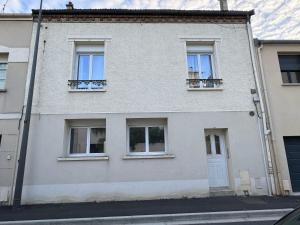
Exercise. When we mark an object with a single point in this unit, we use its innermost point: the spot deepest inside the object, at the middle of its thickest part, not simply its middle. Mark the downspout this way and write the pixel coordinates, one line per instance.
(25, 134)
(266, 147)
(271, 135)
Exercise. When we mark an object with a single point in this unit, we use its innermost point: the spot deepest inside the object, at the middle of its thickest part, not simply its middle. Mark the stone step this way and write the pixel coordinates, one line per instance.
(218, 192)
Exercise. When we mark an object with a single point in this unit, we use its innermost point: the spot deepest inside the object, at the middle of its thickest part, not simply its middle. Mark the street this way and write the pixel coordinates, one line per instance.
(247, 223)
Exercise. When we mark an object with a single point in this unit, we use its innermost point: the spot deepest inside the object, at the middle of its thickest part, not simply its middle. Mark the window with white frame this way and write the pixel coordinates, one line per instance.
(89, 67)
(87, 140)
(147, 139)
(201, 71)
(3, 70)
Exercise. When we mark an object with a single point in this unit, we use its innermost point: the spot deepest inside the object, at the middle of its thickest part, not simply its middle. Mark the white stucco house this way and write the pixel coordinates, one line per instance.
(144, 104)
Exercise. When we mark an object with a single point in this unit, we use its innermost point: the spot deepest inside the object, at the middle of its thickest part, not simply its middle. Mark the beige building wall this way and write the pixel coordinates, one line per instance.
(15, 37)
(146, 70)
(284, 104)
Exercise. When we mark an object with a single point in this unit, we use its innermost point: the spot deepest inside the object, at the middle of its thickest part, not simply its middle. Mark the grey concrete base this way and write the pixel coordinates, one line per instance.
(217, 192)
(171, 219)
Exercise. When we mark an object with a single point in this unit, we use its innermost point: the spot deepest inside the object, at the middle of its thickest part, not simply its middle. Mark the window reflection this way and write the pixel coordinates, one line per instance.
(137, 141)
(156, 139)
(78, 140)
(208, 145)
(217, 143)
(97, 140)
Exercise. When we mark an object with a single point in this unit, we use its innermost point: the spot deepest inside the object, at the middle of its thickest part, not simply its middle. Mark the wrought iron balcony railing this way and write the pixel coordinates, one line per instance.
(204, 83)
(87, 84)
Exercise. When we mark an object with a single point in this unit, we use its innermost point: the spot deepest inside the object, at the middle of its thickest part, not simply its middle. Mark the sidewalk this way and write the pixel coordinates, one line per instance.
(130, 208)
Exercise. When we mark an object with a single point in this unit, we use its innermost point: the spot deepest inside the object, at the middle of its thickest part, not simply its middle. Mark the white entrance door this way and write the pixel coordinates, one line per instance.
(217, 159)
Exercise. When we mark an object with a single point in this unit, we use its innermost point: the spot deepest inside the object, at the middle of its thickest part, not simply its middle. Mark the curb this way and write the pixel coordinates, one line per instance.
(166, 219)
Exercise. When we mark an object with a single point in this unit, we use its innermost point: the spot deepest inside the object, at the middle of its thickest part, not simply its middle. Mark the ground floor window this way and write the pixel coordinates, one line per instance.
(87, 140)
(147, 139)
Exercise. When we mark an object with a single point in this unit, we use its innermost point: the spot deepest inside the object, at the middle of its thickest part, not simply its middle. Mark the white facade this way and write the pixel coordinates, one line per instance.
(145, 67)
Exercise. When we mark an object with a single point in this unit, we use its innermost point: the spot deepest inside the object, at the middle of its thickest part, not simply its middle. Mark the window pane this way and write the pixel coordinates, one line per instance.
(206, 69)
(97, 139)
(2, 74)
(291, 77)
(137, 142)
(295, 77)
(217, 143)
(156, 139)
(97, 74)
(208, 144)
(78, 140)
(193, 66)
(3, 66)
(2, 84)
(289, 62)
(98, 61)
(285, 77)
(83, 70)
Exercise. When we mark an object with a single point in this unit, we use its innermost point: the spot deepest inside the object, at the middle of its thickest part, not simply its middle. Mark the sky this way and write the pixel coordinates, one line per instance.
(273, 19)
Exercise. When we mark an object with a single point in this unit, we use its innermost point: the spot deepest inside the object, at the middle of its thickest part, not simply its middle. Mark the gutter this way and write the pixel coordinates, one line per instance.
(276, 42)
(16, 17)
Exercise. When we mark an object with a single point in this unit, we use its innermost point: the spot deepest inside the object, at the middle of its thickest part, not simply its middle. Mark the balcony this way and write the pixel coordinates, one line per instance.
(87, 84)
(204, 83)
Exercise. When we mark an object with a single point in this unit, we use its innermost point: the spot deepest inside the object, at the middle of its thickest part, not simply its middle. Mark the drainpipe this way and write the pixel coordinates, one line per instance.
(271, 135)
(269, 166)
(25, 134)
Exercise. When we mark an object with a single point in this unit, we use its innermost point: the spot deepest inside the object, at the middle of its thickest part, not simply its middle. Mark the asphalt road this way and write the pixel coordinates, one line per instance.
(247, 223)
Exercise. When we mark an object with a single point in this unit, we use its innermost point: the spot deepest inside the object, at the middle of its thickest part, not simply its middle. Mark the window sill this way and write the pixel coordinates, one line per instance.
(87, 90)
(291, 84)
(205, 89)
(163, 156)
(3, 90)
(83, 158)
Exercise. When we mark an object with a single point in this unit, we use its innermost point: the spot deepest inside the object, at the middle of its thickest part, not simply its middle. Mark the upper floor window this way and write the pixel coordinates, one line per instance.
(89, 68)
(290, 68)
(200, 62)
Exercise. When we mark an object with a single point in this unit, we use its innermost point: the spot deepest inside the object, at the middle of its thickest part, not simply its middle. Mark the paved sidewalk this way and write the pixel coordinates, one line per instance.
(130, 208)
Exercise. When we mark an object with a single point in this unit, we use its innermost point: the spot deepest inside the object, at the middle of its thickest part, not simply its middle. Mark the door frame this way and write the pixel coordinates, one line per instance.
(224, 152)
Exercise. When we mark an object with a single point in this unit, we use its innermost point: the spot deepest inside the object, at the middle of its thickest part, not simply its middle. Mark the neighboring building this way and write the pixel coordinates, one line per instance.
(280, 78)
(143, 104)
(15, 37)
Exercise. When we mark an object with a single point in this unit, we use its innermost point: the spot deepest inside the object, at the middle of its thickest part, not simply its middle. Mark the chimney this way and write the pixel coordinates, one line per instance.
(223, 5)
(70, 6)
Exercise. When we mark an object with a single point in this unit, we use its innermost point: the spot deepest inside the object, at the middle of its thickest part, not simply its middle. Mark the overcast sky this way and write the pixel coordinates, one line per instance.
(274, 19)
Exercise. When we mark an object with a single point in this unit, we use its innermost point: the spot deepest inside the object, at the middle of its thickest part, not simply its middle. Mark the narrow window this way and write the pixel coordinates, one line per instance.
(208, 144)
(290, 68)
(3, 70)
(217, 143)
(0, 139)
